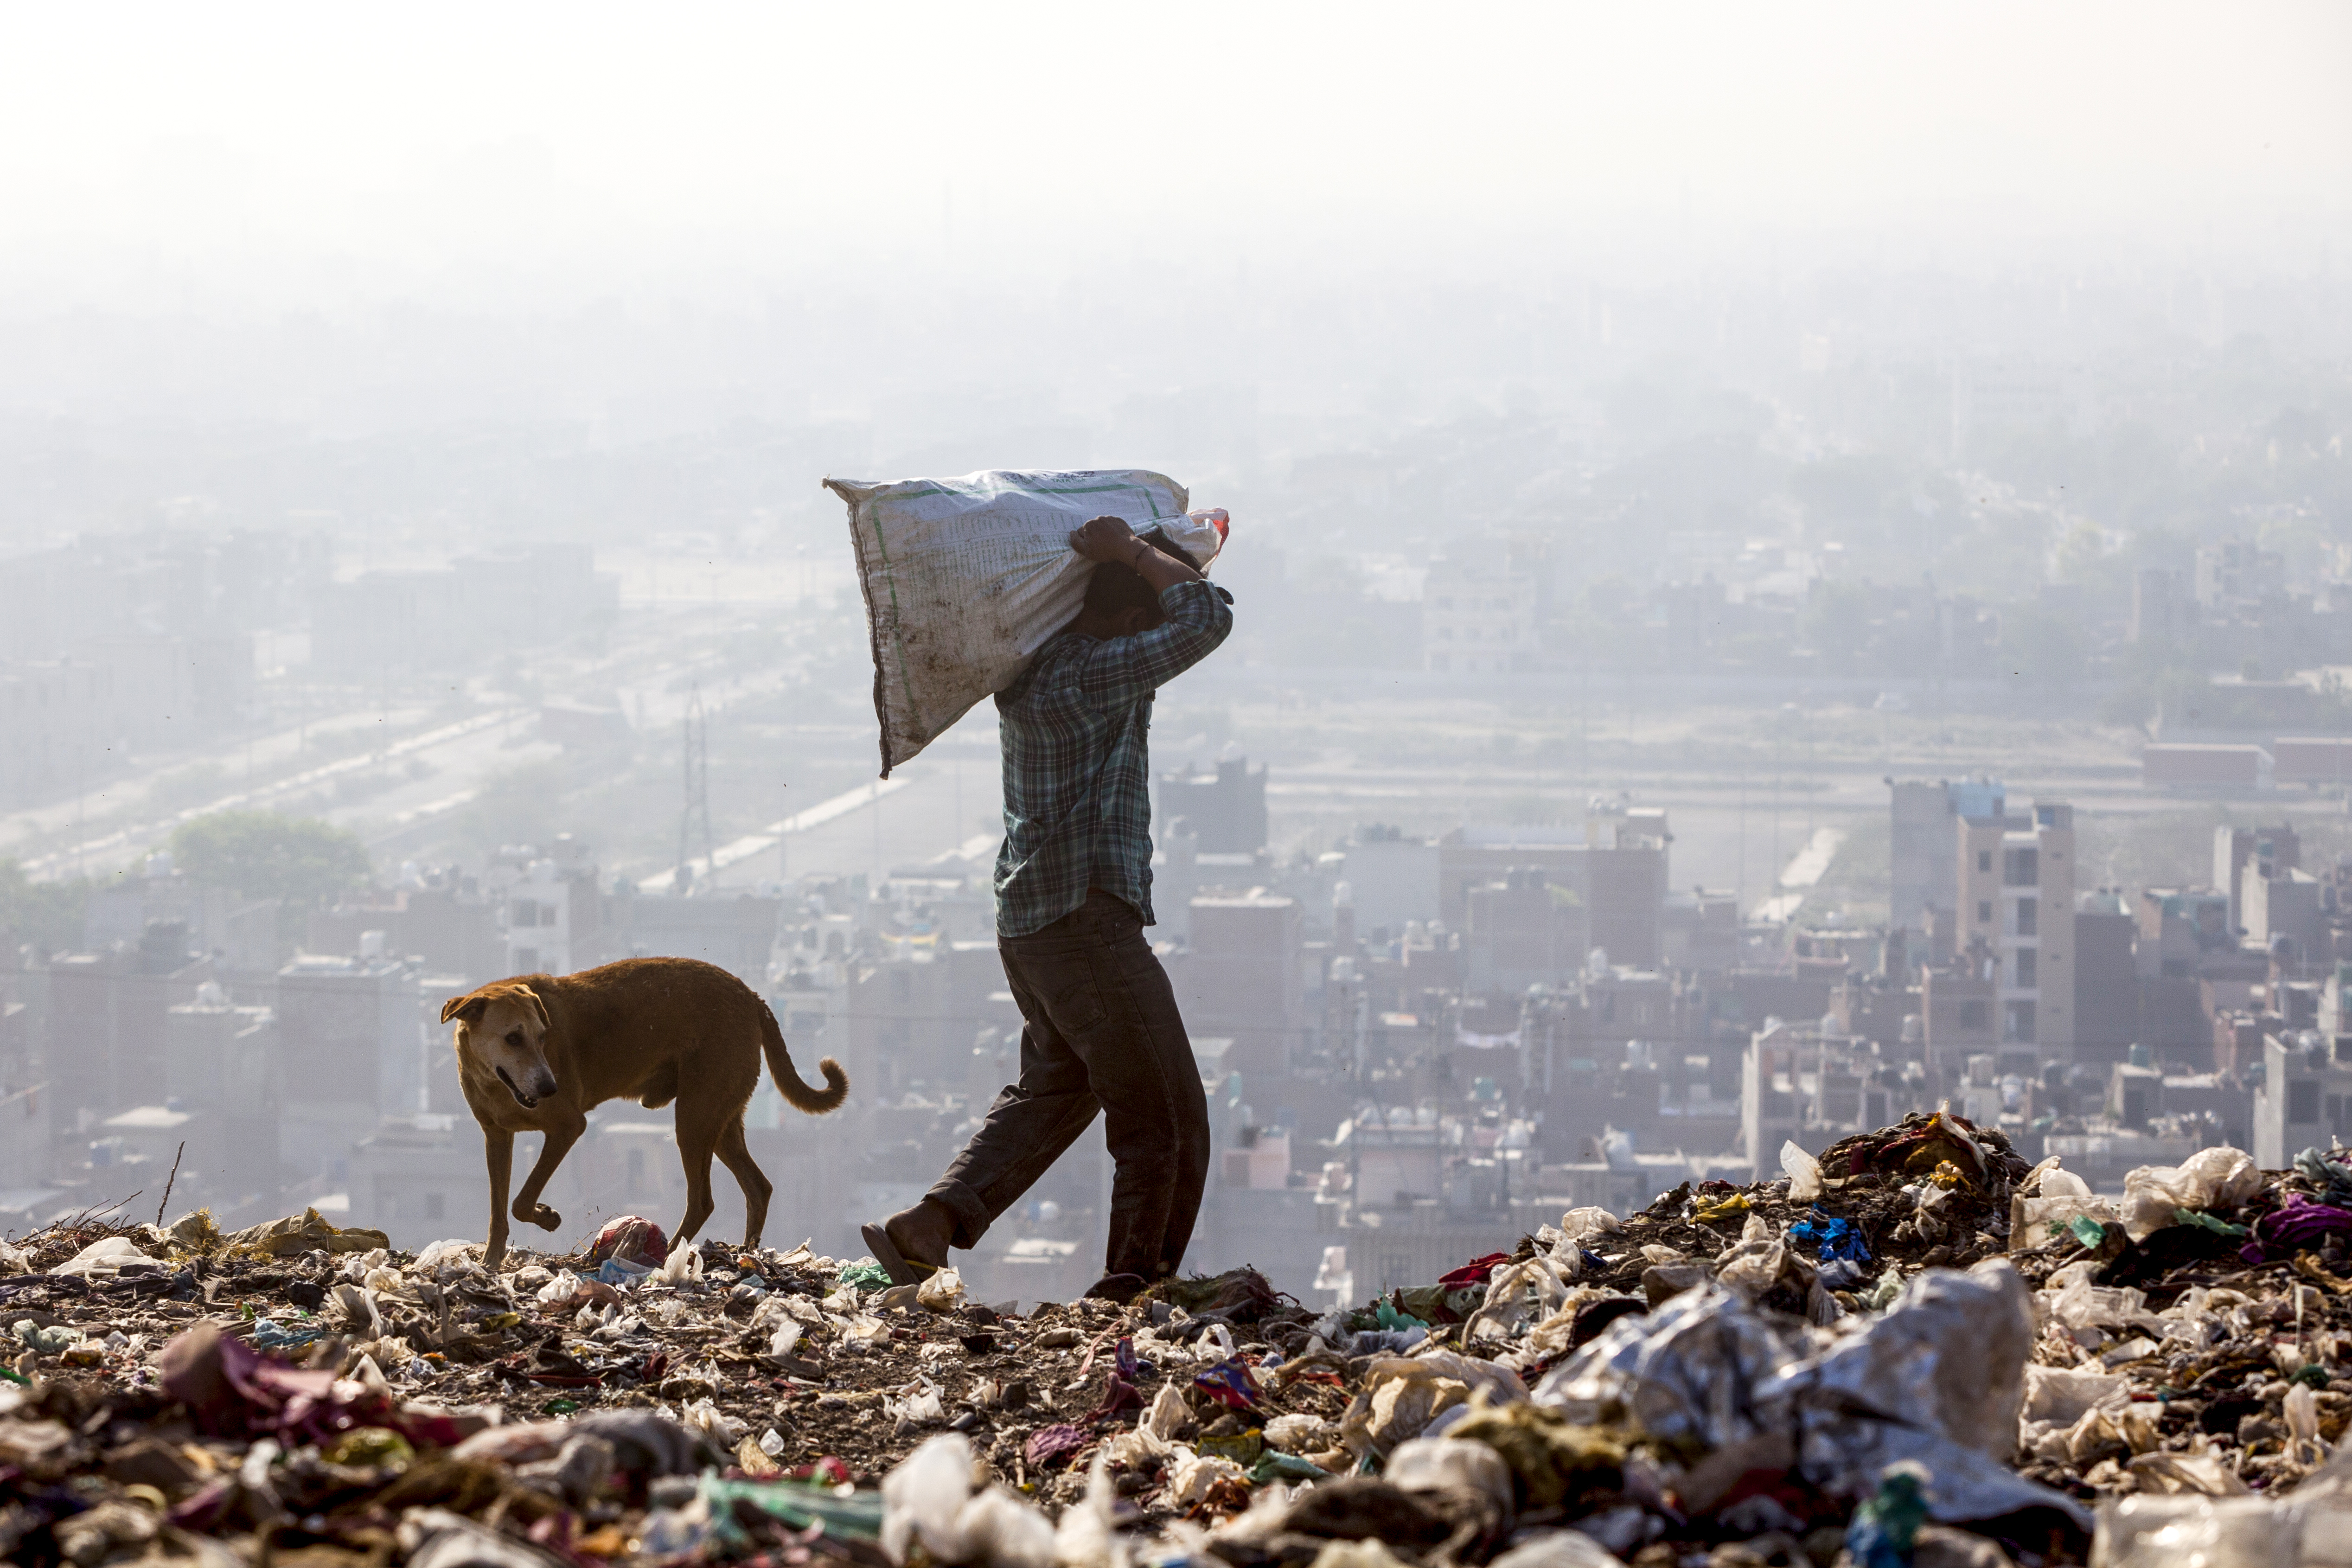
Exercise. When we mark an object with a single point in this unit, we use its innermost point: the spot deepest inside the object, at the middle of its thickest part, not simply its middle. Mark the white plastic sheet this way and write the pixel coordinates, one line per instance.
(2209, 1179)
(1804, 1174)
(964, 579)
(1939, 1379)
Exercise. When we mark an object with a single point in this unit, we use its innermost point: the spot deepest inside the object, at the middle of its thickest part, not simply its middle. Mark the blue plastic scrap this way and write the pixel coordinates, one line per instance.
(1831, 1238)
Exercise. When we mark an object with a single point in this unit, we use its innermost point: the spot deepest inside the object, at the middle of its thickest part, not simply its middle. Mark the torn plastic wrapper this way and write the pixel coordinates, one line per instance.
(1231, 1383)
(798, 1504)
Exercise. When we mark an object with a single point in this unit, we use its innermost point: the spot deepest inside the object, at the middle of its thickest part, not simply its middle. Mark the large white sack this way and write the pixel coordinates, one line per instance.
(965, 579)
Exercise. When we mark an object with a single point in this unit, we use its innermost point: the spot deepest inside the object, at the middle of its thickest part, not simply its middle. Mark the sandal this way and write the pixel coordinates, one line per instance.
(902, 1270)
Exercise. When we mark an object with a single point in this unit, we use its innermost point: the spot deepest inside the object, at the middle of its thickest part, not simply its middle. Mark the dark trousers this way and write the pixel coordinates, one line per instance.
(1102, 1033)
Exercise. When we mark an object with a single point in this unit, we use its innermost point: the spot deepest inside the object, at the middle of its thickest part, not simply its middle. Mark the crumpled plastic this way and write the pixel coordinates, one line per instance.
(1804, 1174)
(940, 1291)
(103, 1258)
(2218, 1178)
(1937, 1378)
(1886, 1527)
(1831, 1238)
(683, 1263)
(1191, 1475)
(928, 1499)
(2060, 1394)
(1949, 1354)
(304, 1233)
(799, 1504)
(2073, 1301)
(194, 1231)
(2048, 1201)
(865, 1275)
(2330, 1175)
(1231, 1383)
(1449, 1464)
(1686, 1373)
(644, 1442)
(1399, 1395)
(2164, 1531)
(1506, 1303)
(1589, 1222)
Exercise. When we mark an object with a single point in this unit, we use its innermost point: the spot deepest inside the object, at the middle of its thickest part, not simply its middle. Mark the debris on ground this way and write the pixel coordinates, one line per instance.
(1911, 1349)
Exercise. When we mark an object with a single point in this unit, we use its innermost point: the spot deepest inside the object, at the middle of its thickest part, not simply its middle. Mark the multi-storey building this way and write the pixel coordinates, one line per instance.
(2016, 888)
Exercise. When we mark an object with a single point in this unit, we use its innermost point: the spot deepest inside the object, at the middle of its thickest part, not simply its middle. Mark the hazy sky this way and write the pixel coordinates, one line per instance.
(306, 150)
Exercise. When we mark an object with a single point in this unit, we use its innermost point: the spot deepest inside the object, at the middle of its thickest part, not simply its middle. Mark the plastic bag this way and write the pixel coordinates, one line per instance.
(1948, 1355)
(922, 1496)
(2218, 1532)
(964, 579)
(103, 1258)
(2037, 1223)
(1805, 1172)
(2060, 1394)
(449, 1253)
(684, 1264)
(1442, 1464)
(2209, 1179)
(941, 1291)
(2073, 1302)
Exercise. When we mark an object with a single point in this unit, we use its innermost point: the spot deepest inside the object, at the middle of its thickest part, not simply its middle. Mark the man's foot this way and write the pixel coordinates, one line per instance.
(1117, 1288)
(911, 1244)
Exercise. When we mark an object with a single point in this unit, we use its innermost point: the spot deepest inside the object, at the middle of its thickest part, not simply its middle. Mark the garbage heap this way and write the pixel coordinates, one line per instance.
(1913, 1350)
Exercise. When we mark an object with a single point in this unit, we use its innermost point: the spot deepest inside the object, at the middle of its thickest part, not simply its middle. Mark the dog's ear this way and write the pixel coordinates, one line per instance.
(538, 1006)
(469, 1008)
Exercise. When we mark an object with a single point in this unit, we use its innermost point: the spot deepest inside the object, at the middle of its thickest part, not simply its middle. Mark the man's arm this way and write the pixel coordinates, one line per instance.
(1119, 672)
(1111, 538)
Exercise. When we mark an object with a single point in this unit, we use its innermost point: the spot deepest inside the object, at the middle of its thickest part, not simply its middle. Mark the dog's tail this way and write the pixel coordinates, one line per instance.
(815, 1102)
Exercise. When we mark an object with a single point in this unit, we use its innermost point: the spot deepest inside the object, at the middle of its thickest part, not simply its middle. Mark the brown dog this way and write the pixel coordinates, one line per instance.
(537, 1053)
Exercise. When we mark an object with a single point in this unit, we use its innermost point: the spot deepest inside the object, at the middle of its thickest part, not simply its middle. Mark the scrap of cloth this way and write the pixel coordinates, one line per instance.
(1076, 730)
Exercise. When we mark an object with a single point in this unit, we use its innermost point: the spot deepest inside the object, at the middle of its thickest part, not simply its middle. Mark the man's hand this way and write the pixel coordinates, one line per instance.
(1106, 538)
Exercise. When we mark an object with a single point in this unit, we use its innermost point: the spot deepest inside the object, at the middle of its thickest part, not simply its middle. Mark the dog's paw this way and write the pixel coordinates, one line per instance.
(542, 1216)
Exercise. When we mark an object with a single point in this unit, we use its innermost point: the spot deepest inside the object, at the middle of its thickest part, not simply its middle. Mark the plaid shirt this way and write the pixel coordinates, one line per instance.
(1075, 729)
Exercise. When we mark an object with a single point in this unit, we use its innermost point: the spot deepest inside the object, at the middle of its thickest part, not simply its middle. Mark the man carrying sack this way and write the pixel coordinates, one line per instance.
(1073, 896)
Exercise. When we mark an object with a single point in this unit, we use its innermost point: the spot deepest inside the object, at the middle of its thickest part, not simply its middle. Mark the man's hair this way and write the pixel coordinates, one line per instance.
(1117, 586)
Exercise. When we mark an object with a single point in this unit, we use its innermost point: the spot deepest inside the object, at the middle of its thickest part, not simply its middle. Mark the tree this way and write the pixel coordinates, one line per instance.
(299, 859)
(47, 914)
